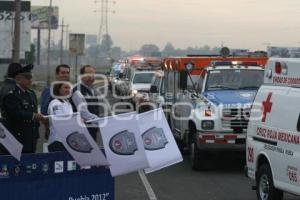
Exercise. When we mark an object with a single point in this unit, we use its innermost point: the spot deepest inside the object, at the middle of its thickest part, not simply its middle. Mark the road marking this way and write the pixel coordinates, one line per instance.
(147, 185)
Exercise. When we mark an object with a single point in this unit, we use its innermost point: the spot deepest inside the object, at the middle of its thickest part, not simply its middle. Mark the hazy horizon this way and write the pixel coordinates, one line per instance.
(237, 24)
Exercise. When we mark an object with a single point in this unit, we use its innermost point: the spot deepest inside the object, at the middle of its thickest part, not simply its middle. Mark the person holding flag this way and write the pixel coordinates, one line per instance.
(59, 107)
(85, 100)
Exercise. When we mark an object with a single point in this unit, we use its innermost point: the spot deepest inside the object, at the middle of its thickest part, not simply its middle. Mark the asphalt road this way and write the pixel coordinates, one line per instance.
(224, 181)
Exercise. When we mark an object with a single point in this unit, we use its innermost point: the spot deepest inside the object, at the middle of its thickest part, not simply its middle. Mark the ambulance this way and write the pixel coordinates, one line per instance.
(273, 136)
(207, 101)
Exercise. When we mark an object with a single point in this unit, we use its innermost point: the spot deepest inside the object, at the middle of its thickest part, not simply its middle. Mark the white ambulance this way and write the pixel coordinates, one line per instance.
(273, 136)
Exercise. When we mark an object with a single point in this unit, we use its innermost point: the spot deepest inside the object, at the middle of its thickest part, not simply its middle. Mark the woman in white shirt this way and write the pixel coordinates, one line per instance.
(59, 107)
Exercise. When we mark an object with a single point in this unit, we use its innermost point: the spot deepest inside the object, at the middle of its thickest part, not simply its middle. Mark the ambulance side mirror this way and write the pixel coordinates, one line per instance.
(183, 80)
(153, 89)
(298, 124)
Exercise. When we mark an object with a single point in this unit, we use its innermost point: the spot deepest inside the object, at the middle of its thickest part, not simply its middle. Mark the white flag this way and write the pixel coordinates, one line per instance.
(161, 148)
(12, 145)
(122, 143)
(78, 142)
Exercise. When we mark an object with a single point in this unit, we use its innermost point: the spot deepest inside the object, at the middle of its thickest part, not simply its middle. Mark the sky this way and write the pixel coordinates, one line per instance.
(251, 24)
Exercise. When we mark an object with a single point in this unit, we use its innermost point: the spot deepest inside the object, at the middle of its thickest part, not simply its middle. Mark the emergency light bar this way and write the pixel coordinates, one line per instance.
(232, 63)
(147, 68)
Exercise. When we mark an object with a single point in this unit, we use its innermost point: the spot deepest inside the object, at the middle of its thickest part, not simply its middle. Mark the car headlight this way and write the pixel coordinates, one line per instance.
(134, 92)
(207, 124)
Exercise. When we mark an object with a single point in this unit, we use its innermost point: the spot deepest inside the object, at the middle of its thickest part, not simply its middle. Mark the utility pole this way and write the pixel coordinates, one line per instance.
(67, 41)
(62, 41)
(103, 27)
(17, 31)
(38, 60)
(49, 39)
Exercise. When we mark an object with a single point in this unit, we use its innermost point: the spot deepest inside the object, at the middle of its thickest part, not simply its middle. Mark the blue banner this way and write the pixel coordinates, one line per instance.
(53, 176)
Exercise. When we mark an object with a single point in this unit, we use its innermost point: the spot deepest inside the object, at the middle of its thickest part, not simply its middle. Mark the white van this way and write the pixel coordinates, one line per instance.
(273, 136)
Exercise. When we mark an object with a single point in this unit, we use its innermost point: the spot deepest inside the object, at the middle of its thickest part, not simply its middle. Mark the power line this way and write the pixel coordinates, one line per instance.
(103, 26)
(104, 23)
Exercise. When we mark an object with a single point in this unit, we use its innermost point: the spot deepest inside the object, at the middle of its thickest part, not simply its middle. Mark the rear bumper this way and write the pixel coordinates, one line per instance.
(221, 141)
(223, 147)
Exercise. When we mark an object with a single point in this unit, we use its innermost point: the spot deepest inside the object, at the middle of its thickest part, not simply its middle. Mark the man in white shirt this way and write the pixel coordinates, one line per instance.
(85, 100)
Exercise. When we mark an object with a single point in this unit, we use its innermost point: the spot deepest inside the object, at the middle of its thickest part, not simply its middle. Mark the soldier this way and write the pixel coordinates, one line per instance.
(9, 84)
(20, 111)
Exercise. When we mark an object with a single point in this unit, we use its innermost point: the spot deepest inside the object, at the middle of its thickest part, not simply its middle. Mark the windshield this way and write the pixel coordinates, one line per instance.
(143, 78)
(234, 79)
(115, 72)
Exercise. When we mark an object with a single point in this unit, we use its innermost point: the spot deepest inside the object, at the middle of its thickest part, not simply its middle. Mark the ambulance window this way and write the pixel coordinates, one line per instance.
(193, 80)
(199, 84)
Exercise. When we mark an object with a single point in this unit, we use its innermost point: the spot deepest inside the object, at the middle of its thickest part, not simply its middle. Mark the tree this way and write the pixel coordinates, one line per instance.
(149, 50)
(30, 56)
(116, 53)
(169, 50)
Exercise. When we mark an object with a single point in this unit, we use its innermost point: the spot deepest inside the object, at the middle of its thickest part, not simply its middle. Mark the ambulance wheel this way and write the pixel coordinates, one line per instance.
(197, 157)
(181, 146)
(265, 189)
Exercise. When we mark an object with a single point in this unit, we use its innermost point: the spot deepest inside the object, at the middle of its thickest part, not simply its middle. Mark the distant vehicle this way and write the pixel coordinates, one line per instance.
(203, 97)
(137, 84)
(113, 77)
(273, 136)
(136, 79)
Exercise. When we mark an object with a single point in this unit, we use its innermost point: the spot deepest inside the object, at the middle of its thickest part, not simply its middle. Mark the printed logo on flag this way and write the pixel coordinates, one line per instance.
(154, 139)
(123, 143)
(58, 167)
(4, 172)
(17, 170)
(78, 142)
(71, 165)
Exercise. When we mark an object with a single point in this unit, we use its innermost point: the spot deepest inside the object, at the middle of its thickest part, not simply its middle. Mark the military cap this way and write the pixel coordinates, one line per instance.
(26, 70)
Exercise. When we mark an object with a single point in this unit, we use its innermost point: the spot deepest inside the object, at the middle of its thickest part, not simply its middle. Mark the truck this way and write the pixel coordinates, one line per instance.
(207, 100)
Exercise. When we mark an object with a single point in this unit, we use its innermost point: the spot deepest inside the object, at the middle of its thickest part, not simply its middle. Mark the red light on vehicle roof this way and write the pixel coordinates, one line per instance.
(278, 68)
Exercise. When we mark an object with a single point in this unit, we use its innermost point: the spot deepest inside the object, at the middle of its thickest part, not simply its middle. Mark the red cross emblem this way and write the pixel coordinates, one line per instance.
(267, 107)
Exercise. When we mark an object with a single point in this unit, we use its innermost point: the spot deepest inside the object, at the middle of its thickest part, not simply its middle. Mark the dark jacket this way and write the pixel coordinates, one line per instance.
(91, 100)
(92, 106)
(18, 110)
(8, 85)
(46, 98)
